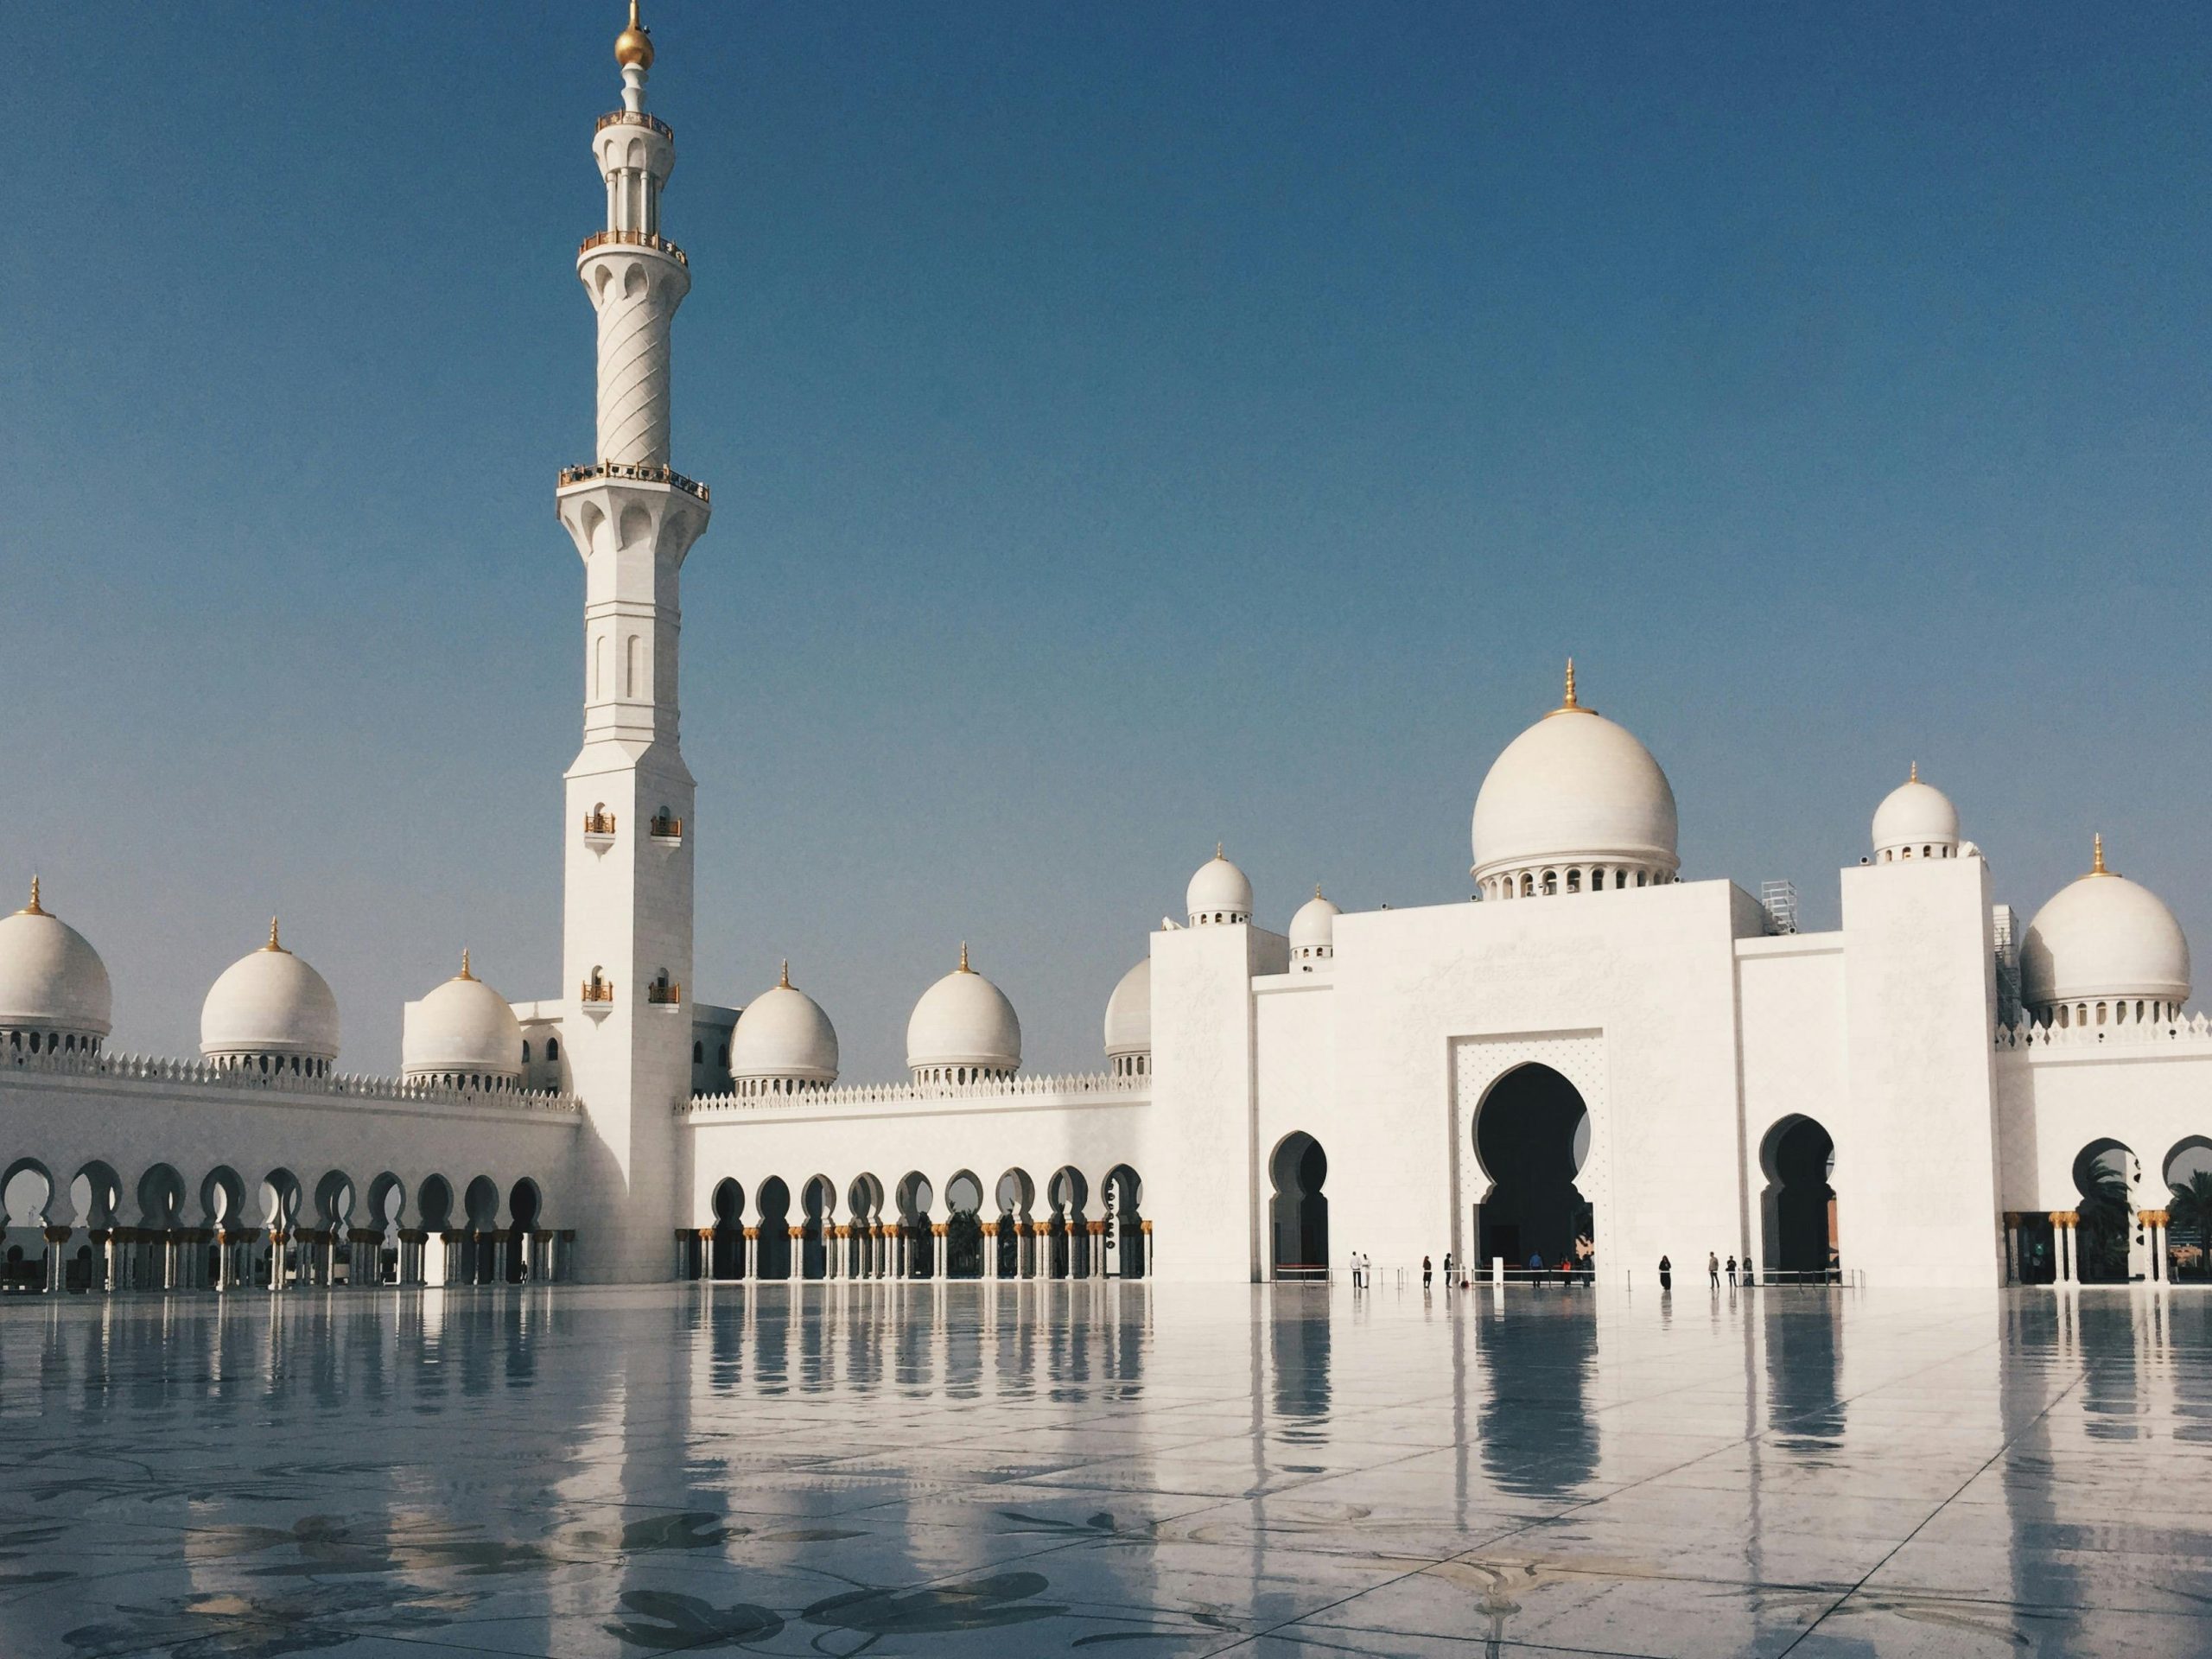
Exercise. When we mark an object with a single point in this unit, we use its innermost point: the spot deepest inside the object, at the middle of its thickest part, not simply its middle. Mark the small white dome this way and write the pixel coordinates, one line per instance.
(1313, 929)
(963, 1020)
(50, 979)
(463, 1027)
(1575, 789)
(1218, 893)
(269, 1002)
(784, 1033)
(1916, 818)
(1129, 1013)
(2103, 936)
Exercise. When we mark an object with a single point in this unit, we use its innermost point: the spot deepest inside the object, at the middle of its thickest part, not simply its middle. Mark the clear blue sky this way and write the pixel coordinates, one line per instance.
(1130, 426)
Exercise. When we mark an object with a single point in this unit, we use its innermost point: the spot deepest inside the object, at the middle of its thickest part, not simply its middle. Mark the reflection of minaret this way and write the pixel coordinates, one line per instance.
(627, 928)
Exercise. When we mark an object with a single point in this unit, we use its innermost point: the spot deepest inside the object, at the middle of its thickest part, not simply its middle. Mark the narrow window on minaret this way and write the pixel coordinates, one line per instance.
(599, 669)
(630, 669)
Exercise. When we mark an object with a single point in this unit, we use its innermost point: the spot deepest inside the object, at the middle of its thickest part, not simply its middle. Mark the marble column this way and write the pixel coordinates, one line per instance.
(2154, 1225)
(2062, 1228)
(2012, 1247)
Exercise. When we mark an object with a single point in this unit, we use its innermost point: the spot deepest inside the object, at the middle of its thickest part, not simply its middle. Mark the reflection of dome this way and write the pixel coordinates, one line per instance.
(782, 1034)
(54, 988)
(1218, 893)
(1915, 820)
(463, 1030)
(1574, 803)
(1313, 929)
(1128, 1023)
(271, 1006)
(963, 1030)
(2103, 940)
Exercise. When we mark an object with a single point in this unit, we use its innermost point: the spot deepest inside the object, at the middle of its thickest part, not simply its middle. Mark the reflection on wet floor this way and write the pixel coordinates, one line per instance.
(892, 1468)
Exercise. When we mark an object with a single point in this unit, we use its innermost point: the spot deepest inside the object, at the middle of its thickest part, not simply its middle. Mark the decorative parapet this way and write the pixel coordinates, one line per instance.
(2192, 1035)
(634, 118)
(641, 472)
(632, 239)
(238, 1080)
(947, 1096)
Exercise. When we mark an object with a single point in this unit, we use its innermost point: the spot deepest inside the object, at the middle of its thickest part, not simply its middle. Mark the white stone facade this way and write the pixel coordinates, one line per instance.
(1598, 1061)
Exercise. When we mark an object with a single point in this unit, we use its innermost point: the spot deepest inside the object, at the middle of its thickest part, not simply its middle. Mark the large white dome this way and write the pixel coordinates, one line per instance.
(1574, 791)
(784, 1033)
(1129, 1013)
(1313, 929)
(1218, 893)
(2104, 937)
(463, 1028)
(51, 980)
(1915, 820)
(963, 1023)
(270, 1003)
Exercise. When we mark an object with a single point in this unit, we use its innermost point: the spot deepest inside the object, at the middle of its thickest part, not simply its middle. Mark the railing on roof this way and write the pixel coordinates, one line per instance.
(197, 1074)
(1095, 1084)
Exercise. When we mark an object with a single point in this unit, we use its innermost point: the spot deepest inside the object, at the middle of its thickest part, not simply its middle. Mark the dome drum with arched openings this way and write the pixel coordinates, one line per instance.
(270, 1011)
(1575, 804)
(1128, 1023)
(1314, 931)
(1915, 820)
(784, 1043)
(1218, 894)
(2104, 950)
(463, 1034)
(55, 993)
(963, 1030)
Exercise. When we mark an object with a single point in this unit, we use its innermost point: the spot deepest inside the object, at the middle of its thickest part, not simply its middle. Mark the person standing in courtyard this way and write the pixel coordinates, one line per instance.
(1732, 1273)
(1425, 1270)
(1665, 1274)
(1713, 1267)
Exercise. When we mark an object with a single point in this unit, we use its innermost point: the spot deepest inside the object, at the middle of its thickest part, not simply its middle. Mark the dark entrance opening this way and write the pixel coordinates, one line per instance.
(1801, 1241)
(1299, 1214)
(1531, 1136)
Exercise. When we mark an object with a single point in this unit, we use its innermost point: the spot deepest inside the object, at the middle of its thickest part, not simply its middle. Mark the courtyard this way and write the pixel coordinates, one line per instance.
(1145, 1469)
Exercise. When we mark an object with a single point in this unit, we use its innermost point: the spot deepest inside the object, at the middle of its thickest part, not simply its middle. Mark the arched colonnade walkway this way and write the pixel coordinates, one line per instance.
(96, 1229)
(1067, 1228)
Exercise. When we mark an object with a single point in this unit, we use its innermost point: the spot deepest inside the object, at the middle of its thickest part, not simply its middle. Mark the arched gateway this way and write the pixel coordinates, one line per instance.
(1532, 1137)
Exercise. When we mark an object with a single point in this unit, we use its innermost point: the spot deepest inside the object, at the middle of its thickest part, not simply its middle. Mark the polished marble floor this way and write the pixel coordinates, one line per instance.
(955, 1469)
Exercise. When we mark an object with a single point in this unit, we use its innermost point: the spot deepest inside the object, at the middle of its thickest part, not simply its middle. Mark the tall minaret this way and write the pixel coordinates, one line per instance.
(626, 934)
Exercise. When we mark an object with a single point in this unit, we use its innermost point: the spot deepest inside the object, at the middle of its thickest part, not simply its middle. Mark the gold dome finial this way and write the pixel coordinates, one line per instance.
(273, 944)
(635, 43)
(1570, 704)
(2097, 856)
(1913, 777)
(1217, 848)
(1317, 889)
(32, 909)
(464, 973)
(965, 967)
(785, 983)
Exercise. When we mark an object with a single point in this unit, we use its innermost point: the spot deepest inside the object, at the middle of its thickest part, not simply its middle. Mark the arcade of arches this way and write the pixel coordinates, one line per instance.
(95, 1231)
(1067, 1229)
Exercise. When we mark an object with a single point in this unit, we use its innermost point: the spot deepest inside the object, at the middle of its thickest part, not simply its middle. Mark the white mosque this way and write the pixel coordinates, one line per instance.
(1595, 1061)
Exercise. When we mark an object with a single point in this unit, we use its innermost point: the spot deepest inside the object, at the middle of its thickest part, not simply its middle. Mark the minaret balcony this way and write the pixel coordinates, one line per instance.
(635, 118)
(666, 829)
(665, 993)
(598, 469)
(632, 239)
(597, 995)
(599, 830)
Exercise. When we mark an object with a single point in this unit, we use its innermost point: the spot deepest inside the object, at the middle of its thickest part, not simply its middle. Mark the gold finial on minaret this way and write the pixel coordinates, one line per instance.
(2097, 856)
(785, 983)
(464, 973)
(32, 909)
(272, 944)
(1913, 777)
(635, 43)
(965, 967)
